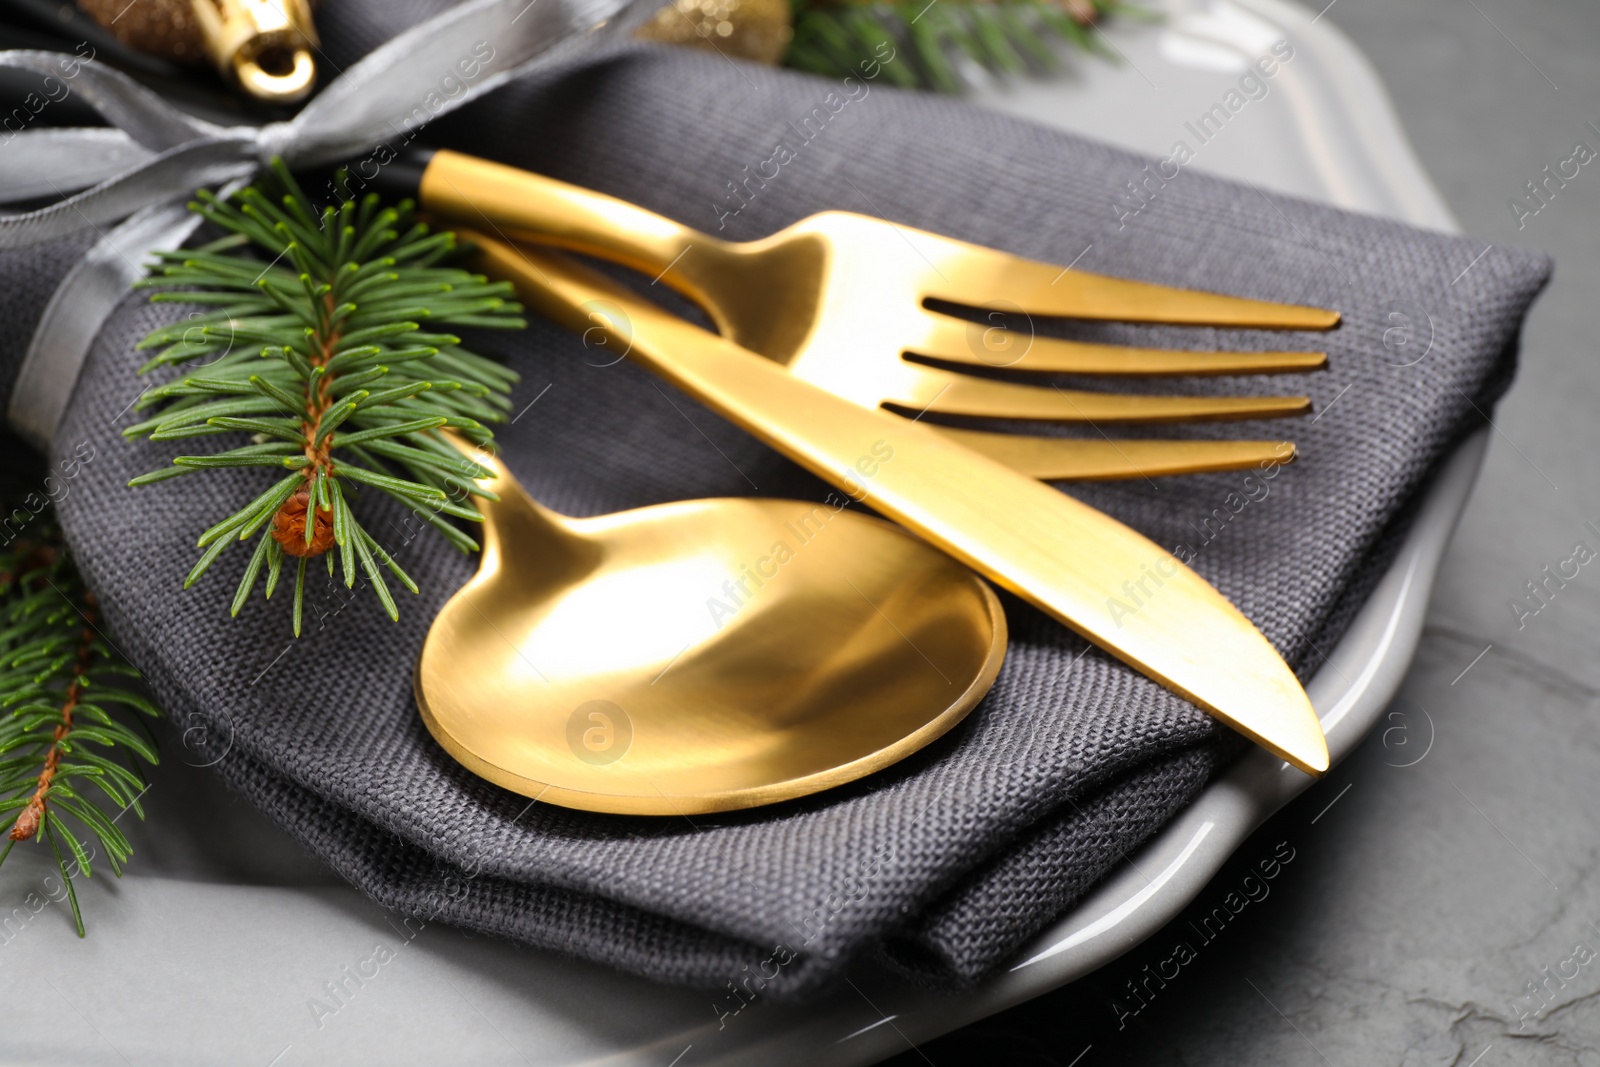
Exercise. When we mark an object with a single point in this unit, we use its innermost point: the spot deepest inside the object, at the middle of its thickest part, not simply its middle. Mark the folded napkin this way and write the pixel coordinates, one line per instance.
(944, 864)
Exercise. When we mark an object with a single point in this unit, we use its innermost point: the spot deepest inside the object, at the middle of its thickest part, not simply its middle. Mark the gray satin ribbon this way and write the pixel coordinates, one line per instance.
(62, 339)
(156, 156)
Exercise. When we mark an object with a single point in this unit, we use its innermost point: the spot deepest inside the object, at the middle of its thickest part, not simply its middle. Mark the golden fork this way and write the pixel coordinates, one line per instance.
(1061, 555)
(841, 299)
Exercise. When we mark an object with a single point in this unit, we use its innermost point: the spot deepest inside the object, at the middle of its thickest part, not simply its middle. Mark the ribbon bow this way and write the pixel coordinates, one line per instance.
(144, 168)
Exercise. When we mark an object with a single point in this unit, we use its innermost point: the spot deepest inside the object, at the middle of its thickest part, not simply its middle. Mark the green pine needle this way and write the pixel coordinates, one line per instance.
(71, 733)
(313, 359)
(914, 44)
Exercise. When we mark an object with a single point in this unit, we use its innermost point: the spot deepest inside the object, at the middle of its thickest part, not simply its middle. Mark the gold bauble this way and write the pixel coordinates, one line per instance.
(746, 29)
(165, 28)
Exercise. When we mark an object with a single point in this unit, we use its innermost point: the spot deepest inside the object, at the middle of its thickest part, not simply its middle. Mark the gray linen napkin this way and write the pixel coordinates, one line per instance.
(947, 862)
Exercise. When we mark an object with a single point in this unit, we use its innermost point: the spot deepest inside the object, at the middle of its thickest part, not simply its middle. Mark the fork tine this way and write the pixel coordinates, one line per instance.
(1076, 459)
(929, 389)
(958, 341)
(984, 277)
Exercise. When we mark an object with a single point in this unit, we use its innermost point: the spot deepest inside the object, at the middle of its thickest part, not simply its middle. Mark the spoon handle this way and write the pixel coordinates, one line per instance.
(1115, 587)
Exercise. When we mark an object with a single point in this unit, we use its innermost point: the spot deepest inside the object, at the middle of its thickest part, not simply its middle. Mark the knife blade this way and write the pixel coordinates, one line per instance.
(1110, 584)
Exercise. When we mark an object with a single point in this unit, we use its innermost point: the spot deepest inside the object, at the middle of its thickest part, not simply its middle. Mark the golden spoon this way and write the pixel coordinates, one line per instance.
(701, 656)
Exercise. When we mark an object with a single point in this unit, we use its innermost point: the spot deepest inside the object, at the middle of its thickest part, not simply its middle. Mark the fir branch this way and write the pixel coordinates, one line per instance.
(316, 353)
(918, 44)
(67, 751)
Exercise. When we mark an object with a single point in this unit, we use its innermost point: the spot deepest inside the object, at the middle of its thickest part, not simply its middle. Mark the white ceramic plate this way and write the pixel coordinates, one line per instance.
(223, 941)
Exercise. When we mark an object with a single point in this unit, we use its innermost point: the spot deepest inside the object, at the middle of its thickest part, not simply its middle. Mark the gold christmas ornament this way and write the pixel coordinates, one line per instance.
(165, 28)
(263, 45)
(758, 30)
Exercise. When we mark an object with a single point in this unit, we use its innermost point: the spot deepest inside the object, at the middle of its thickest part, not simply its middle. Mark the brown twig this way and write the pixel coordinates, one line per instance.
(289, 523)
(31, 556)
(317, 399)
(32, 814)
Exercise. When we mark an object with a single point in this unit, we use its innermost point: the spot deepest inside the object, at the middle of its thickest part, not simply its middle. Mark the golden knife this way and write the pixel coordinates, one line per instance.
(1070, 560)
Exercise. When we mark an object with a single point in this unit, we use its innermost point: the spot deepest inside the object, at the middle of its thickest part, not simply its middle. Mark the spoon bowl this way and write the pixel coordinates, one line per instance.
(701, 656)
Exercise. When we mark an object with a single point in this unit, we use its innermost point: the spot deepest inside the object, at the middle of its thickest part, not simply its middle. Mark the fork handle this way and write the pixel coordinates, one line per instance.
(550, 212)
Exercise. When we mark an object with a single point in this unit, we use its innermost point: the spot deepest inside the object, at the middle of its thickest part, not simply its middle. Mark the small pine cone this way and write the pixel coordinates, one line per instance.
(27, 823)
(289, 527)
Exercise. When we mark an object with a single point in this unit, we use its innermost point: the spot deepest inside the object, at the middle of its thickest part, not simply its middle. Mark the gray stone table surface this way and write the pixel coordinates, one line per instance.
(1443, 903)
